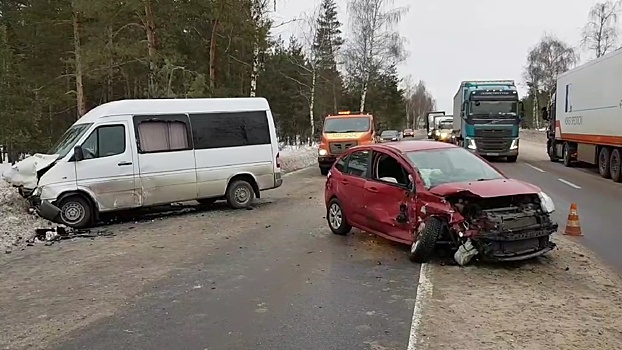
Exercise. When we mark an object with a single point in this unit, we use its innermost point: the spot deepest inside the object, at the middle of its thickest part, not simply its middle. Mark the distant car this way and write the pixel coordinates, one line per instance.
(409, 133)
(390, 135)
(426, 193)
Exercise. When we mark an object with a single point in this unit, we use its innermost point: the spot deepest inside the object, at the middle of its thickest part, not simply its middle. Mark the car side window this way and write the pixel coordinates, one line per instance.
(341, 164)
(358, 163)
(105, 141)
(388, 169)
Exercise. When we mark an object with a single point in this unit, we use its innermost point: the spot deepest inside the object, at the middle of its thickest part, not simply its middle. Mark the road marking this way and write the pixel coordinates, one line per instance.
(570, 184)
(424, 292)
(536, 168)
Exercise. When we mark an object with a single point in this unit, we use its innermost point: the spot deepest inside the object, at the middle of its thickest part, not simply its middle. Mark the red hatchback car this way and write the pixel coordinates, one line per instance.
(423, 193)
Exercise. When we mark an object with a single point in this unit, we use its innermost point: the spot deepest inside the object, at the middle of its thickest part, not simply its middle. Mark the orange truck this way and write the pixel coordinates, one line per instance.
(341, 132)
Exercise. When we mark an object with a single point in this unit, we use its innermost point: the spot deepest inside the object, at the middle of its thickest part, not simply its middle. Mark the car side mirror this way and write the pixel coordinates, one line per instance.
(78, 153)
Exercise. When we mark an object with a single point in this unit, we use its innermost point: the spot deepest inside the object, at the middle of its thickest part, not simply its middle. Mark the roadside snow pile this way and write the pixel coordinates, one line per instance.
(17, 223)
(298, 157)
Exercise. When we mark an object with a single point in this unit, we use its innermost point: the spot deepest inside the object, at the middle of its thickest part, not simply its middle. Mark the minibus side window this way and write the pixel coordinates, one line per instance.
(105, 141)
(232, 129)
(162, 133)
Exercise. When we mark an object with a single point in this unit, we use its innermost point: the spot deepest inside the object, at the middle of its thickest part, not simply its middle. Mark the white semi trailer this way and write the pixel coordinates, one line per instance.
(585, 116)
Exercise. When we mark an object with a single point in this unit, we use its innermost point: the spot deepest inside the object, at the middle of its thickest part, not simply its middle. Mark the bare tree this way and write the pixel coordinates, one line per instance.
(260, 10)
(545, 62)
(601, 32)
(418, 103)
(374, 43)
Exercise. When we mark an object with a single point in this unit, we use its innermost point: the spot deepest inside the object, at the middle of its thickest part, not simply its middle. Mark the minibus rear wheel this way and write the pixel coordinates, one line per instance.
(240, 194)
(76, 211)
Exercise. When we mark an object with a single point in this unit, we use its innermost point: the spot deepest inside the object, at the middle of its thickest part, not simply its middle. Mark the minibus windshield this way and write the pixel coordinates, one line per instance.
(69, 139)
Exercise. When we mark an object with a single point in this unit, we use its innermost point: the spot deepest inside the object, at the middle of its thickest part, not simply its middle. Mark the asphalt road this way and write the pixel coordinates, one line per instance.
(288, 284)
(597, 199)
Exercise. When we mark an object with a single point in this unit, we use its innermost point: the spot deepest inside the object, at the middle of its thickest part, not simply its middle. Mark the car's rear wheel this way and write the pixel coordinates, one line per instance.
(423, 247)
(240, 194)
(336, 218)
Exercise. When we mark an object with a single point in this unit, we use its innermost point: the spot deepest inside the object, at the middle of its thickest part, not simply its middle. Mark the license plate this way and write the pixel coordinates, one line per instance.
(492, 154)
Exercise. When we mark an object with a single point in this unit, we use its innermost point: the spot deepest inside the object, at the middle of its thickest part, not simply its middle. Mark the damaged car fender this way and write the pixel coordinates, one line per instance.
(26, 172)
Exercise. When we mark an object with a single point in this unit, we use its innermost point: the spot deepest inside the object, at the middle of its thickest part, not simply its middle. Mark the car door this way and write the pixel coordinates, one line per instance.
(387, 203)
(107, 170)
(352, 186)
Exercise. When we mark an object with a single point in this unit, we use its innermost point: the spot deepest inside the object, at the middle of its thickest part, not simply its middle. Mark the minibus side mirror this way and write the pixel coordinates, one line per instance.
(78, 153)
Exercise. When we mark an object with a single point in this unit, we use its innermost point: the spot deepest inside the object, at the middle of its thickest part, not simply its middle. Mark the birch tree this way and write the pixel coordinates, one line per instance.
(419, 102)
(600, 34)
(260, 10)
(375, 44)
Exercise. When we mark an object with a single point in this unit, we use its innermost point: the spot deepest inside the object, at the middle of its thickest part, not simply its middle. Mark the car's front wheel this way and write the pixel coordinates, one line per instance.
(76, 211)
(424, 245)
(336, 218)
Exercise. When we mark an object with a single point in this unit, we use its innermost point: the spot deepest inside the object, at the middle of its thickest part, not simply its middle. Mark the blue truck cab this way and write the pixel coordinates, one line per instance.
(487, 118)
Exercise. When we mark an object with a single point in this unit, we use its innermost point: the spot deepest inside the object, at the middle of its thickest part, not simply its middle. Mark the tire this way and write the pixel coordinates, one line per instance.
(336, 218)
(512, 159)
(615, 165)
(240, 194)
(566, 155)
(76, 212)
(604, 157)
(551, 152)
(324, 171)
(423, 248)
(207, 201)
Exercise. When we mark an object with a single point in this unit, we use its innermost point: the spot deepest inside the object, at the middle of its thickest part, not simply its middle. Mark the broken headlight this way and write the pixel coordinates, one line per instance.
(546, 202)
(36, 192)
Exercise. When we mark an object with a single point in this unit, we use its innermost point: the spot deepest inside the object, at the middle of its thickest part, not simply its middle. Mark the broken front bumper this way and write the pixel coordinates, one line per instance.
(45, 209)
(516, 245)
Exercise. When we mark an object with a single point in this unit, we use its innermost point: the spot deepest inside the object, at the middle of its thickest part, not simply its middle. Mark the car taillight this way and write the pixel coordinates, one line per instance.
(278, 160)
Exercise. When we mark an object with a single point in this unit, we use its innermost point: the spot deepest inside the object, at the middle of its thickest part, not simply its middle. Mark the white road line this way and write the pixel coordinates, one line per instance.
(424, 292)
(536, 168)
(570, 184)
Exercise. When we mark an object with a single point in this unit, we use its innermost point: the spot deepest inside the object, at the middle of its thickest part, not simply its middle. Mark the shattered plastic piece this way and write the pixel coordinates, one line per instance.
(465, 253)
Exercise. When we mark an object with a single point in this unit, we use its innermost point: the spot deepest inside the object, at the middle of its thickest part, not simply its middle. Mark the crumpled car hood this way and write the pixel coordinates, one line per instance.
(486, 189)
(24, 173)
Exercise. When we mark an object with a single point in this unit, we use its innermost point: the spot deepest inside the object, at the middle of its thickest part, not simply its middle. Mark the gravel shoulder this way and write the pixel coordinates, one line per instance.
(567, 300)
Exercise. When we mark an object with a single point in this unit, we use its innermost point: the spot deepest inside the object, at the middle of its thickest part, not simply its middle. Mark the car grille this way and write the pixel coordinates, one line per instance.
(493, 145)
(493, 133)
(340, 147)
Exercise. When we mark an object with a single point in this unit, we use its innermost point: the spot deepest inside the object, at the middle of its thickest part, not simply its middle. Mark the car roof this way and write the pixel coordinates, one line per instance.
(413, 146)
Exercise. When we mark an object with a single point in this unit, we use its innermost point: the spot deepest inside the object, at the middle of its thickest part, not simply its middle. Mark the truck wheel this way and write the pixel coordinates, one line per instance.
(512, 159)
(423, 247)
(324, 171)
(604, 157)
(336, 218)
(551, 151)
(615, 166)
(566, 155)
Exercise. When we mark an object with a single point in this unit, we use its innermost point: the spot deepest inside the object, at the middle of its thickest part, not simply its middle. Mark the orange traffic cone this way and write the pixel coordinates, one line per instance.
(573, 226)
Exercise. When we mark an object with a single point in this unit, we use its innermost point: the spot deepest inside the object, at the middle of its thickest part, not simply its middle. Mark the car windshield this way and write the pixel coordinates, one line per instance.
(389, 133)
(446, 125)
(449, 165)
(494, 108)
(347, 124)
(408, 130)
(69, 139)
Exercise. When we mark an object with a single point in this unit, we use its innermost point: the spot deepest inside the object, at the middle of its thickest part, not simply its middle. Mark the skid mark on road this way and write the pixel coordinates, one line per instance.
(424, 292)
(570, 184)
(535, 168)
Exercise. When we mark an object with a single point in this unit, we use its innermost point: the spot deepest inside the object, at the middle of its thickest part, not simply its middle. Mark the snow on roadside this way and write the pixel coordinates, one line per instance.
(298, 157)
(17, 224)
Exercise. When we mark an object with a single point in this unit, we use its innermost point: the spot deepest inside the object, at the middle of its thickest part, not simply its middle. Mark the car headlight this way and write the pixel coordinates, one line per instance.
(322, 152)
(470, 143)
(514, 144)
(444, 134)
(546, 202)
(437, 132)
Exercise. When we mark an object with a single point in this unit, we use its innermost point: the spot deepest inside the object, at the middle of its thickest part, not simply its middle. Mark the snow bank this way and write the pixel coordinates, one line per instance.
(17, 223)
(298, 157)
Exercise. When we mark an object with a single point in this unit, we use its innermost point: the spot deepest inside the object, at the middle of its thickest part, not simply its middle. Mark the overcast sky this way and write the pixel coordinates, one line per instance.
(454, 40)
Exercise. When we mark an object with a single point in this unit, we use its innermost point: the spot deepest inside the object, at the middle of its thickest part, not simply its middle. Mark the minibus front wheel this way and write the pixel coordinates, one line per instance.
(76, 211)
